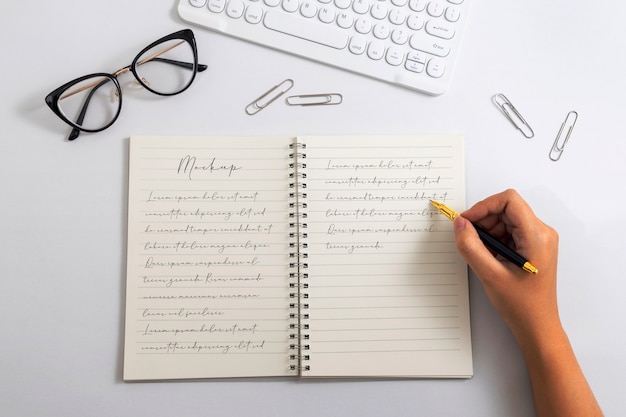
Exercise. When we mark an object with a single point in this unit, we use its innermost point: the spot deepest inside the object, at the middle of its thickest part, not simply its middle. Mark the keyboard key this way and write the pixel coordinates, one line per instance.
(363, 25)
(417, 5)
(399, 36)
(290, 6)
(435, 68)
(415, 22)
(235, 9)
(345, 20)
(376, 50)
(414, 66)
(397, 16)
(358, 44)
(254, 14)
(381, 30)
(217, 6)
(395, 56)
(435, 8)
(326, 14)
(361, 6)
(452, 14)
(308, 9)
(430, 45)
(379, 10)
(417, 56)
(440, 29)
(306, 29)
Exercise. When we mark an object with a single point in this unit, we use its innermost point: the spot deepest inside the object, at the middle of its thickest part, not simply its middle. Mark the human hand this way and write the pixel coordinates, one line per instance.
(527, 302)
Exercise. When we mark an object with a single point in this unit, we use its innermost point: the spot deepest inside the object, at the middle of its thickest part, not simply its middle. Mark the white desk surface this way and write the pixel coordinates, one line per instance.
(63, 204)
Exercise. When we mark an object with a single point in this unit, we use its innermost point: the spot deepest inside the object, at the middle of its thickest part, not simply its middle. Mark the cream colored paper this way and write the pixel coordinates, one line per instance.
(388, 292)
(208, 258)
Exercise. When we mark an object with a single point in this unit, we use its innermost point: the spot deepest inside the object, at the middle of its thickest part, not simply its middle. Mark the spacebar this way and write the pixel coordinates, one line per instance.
(305, 29)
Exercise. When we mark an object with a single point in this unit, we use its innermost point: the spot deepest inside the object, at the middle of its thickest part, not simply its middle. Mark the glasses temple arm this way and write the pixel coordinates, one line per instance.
(182, 64)
(83, 111)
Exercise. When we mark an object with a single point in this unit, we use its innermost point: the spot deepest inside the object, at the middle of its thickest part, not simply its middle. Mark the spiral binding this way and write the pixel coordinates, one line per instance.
(298, 266)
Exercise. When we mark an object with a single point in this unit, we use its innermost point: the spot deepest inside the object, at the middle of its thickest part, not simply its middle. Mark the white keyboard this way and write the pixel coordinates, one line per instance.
(411, 43)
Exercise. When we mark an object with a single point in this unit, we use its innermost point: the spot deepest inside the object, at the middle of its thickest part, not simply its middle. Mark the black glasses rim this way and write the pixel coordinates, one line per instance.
(52, 99)
(184, 34)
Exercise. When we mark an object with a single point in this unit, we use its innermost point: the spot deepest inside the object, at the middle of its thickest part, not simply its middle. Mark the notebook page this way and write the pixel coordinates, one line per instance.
(388, 293)
(208, 255)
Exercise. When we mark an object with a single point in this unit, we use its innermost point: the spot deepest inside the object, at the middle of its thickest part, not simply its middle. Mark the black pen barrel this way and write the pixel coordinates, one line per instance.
(499, 247)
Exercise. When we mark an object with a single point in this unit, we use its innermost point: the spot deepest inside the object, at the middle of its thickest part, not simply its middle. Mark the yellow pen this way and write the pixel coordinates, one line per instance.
(490, 241)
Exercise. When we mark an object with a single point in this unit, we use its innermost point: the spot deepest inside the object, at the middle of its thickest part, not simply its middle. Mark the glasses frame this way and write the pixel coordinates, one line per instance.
(52, 99)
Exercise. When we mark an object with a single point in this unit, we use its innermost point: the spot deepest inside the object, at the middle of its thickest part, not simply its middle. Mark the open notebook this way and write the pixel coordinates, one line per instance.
(308, 256)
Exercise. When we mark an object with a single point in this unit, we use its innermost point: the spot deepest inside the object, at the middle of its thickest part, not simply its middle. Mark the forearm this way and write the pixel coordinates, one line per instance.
(558, 384)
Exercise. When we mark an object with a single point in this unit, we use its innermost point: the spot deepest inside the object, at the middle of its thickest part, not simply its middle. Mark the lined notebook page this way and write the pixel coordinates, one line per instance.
(388, 293)
(208, 258)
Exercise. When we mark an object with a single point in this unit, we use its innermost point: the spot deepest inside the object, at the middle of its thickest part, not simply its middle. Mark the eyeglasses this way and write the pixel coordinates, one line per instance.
(93, 102)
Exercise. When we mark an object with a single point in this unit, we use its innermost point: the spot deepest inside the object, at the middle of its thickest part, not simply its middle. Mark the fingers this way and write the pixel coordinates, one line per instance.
(477, 256)
(499, 204)
(507, 216)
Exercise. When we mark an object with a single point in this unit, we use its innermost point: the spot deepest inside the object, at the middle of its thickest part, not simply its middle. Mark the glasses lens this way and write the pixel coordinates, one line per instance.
(167, 68)
(92, 103)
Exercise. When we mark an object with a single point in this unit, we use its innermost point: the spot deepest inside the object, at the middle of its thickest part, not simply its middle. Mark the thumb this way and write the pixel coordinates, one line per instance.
(472, 249)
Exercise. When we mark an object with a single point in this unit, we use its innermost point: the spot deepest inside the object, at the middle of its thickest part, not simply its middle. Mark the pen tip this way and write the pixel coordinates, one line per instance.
(528, 267)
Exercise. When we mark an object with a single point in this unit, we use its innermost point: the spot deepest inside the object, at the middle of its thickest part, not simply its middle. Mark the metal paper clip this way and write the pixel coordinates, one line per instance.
(511, 113)
(268, 97)
(559, 146)
(314, 99)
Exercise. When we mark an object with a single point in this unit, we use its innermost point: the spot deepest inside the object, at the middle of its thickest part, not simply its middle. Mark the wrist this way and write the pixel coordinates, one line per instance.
(542, 339)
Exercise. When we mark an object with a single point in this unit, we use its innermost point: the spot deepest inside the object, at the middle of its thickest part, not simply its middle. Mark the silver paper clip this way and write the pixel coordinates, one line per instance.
(511, 113)
(315, 99)
(268, 97)
(559, 144)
